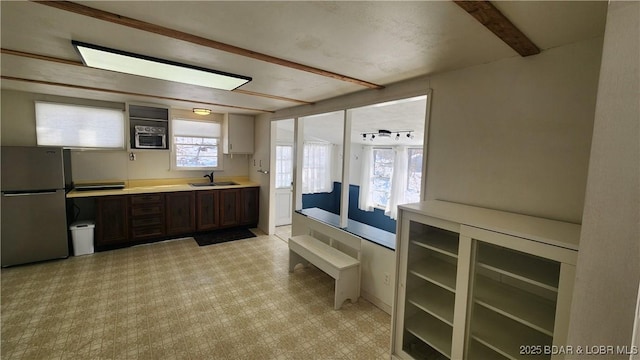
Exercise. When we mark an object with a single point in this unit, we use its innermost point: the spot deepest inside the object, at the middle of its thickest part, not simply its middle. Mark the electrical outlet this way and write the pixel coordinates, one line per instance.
(132, 156)
(387, 279)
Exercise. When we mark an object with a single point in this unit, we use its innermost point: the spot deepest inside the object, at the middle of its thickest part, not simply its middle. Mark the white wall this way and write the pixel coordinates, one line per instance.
(261, 154)
(515, 134)
(284, 135)
(608, 268)
(18, 128)
(355, 166)
(378, 262)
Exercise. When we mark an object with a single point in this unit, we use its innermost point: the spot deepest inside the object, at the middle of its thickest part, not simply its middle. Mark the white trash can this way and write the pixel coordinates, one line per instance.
(82, 236)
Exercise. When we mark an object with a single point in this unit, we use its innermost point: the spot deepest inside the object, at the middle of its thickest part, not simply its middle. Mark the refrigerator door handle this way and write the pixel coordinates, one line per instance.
(28, 194)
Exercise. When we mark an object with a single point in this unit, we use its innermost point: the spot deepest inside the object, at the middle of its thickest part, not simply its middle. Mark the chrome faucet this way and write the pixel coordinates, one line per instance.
(210, 176)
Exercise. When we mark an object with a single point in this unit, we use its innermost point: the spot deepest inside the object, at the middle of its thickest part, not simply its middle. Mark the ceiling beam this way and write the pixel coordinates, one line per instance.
(198, 40)
(275, 97)
(90, 88)
(78, 63)
(41, 57)
(489, 16)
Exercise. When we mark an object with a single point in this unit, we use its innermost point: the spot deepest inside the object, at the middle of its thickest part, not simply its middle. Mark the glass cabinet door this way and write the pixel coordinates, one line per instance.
(430, 292)
(513, 304)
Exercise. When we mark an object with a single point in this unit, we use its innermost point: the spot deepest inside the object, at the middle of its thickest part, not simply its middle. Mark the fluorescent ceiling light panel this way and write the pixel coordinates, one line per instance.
(125, 62)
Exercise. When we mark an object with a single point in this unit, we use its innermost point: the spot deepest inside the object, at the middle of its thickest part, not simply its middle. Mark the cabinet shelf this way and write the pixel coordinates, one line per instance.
(443, 246)
(431, 331)
(478, 351)
(527, 268)
(148, 119)
(504, 335)
(435, 301)
(524, 307)
(436, 271)
(442, 241)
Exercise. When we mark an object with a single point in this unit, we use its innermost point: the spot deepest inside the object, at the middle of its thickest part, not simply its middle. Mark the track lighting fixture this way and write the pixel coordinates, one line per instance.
(382, 133)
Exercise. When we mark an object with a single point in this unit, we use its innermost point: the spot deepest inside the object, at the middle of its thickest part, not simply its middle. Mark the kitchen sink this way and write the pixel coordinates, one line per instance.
(219, 183)
(225, 183)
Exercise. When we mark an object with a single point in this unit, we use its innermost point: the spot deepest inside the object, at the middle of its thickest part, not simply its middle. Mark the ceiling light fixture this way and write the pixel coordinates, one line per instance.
(135, 64)
(201, 111)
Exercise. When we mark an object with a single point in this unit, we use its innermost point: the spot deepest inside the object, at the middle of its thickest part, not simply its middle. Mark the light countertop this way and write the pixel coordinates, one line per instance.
(163, 185)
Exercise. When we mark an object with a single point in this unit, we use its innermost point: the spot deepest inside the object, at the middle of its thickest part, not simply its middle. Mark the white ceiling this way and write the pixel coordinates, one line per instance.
(381, 42)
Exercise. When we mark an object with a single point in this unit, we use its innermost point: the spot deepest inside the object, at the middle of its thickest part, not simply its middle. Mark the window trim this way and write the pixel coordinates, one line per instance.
(174, 154)
(376, 205)
(291, 145)
(421, 167)
(384, 207)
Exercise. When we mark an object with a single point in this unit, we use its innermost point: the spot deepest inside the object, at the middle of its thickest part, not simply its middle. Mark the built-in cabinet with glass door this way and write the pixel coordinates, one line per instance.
(475, 283)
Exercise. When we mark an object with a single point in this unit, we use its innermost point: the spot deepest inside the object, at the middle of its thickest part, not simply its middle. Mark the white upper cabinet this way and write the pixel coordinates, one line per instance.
(237, 133)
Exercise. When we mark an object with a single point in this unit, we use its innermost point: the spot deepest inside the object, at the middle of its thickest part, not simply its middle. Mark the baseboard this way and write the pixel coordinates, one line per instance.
(375, 301)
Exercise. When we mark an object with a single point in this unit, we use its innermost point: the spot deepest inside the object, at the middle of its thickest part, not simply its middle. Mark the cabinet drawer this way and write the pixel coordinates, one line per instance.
(147, 221)
(147, 232)
(146, 210)
(146, 199)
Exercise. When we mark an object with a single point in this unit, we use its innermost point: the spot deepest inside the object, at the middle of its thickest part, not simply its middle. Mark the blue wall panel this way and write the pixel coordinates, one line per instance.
(375, 218)
(324, 201)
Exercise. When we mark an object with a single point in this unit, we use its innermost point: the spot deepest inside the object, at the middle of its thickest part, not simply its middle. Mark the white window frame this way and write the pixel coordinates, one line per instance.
(278, 169)
(371, 180)
(77, 135)
(409, 149)
(174, 152)
(371, 187)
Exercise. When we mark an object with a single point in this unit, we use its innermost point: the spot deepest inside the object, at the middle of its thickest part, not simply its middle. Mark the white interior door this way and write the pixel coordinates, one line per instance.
(283, 207)
(284, 182)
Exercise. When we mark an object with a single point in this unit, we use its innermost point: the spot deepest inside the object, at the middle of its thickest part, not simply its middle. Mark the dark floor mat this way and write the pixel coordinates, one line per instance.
(220, 236)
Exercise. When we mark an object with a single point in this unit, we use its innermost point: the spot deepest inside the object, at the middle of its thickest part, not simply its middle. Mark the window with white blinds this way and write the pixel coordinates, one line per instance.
(75, 126)
(196, 145)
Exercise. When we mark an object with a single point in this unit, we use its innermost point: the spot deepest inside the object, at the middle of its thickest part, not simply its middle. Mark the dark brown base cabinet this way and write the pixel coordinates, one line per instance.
(180, 210)
(229, 207)
(112, 220)
(123, 220)
(249, 206)
(207, 210)
(146, 216)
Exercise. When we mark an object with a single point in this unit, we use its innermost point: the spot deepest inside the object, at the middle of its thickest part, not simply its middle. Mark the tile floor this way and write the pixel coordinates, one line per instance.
(283, 232)
(176, 300)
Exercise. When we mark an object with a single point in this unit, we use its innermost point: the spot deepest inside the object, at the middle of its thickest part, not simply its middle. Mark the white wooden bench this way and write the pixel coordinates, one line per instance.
(328, 257)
